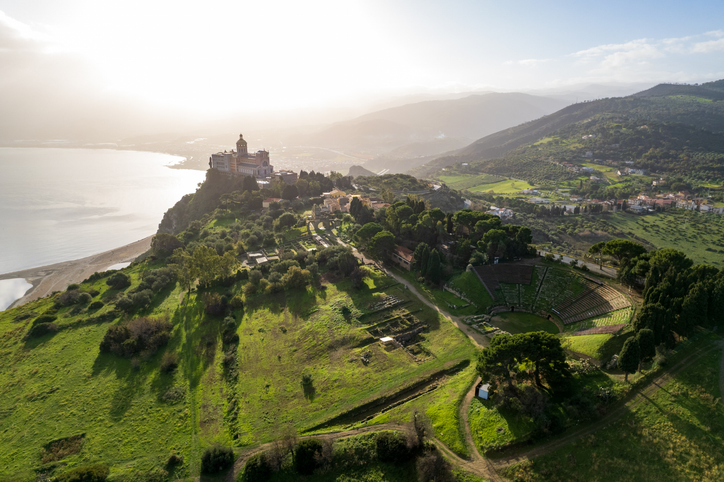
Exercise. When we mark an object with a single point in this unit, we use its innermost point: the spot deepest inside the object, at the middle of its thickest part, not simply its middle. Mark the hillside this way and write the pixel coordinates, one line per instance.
(438, 125)
(693, 113)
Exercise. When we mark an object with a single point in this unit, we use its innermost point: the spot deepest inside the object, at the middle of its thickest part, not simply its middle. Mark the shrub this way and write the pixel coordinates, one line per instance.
(73, 286)
(174, 460)
(89, 473)
(85, 298)
(124, 303)
(96, 305)
(118, 281)
(306, 455)
(236, 303)
(216, 459)
(41, 329)
(257, 468)
(44, 319)
(68, 298)
(136, 336)
(391, 447)
(169, 362)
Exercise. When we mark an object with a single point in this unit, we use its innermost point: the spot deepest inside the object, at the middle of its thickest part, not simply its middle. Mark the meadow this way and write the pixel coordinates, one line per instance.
(132, 415)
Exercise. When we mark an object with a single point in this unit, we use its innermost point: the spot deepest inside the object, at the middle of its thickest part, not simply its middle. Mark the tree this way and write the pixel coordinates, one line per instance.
(286, 220)
(290, 192)
(164, 244)
(366, 232)
(512, 357)
(597, 249)
(382, 244)
(434, 267)
(296, 278)
(629, 358)
(306, 454)
(647, 344)
(623, 250)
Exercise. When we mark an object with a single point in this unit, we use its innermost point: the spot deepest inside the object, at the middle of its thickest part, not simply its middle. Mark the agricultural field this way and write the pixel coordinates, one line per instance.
(132, 415)
(700, 236)
(512, 186)
(462, 182)
(677, 433)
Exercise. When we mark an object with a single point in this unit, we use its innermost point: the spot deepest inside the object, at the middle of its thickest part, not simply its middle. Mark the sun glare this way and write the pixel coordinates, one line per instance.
(251, 55)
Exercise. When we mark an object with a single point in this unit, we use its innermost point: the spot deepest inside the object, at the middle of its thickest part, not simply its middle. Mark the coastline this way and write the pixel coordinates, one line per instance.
(56, 277)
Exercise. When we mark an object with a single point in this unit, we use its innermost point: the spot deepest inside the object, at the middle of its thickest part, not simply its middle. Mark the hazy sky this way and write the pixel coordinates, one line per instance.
(225, 56)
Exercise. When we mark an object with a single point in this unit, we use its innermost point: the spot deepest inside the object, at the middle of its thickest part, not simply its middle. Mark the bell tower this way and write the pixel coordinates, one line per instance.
(241, 147)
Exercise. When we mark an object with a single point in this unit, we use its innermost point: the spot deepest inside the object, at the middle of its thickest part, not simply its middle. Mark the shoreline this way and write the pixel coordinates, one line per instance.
(57, 277)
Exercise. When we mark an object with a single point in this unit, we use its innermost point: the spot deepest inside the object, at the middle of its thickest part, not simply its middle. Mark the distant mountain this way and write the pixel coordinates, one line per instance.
(432, 127)
(695, 107)
(356, 171)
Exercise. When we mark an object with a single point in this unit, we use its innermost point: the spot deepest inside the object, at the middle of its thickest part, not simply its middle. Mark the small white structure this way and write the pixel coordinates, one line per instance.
(386, 340)
(483, 391)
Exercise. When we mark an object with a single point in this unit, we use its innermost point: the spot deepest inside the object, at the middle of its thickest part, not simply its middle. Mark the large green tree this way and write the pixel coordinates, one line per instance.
(381, 245)
(538, 356)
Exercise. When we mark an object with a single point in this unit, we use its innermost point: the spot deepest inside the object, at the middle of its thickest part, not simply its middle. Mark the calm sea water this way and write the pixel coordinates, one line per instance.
(63, 204)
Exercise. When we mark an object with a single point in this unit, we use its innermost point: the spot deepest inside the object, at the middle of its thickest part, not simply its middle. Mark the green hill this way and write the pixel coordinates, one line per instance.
(690, 115)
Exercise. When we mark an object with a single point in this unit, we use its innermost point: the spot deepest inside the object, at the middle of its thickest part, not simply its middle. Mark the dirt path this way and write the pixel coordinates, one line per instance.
(481, 465)
(635, 399)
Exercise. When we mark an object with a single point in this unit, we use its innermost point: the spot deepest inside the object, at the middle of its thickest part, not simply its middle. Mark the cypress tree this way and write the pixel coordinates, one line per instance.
(434, 268)
(424, 260)
(628, 359)
(647, 344)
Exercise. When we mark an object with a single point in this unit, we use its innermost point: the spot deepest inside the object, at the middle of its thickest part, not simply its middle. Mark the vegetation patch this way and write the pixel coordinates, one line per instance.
(58, 449)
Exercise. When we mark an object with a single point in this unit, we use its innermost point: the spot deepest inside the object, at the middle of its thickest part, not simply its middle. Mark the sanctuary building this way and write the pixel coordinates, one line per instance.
(241, 162)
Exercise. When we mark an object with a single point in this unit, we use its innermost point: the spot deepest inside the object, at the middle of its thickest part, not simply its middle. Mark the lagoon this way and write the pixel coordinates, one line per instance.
(61, 204)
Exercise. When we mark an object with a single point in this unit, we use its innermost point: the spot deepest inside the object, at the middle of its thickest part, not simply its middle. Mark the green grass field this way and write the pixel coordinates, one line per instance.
(701, 237)
(59, 385)
(590, 345)
(502, 187)
(518, 322)
(469, 285)
(461, 182)
(676, 434)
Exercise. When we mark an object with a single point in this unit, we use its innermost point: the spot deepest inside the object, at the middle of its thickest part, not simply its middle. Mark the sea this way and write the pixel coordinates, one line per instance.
(60, 204)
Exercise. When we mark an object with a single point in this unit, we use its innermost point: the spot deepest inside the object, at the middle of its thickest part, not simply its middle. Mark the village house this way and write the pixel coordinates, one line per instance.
(268, 201)
(403, 257)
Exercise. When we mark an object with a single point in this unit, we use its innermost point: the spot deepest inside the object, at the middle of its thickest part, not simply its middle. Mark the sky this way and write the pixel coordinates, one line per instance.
(215, 58)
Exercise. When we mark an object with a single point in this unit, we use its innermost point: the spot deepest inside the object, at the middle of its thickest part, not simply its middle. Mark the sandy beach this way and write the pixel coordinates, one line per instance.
(56, 277)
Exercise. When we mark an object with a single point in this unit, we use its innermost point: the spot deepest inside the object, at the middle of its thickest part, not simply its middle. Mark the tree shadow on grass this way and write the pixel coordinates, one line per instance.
(612, 346)
(131, 382)
(309, 390)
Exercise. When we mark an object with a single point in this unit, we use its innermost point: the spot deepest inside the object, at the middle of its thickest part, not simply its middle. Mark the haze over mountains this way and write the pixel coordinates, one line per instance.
(695, 106)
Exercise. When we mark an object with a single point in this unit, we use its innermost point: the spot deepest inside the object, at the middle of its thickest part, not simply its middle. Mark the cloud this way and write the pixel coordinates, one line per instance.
(527, 62)
(708, 46)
